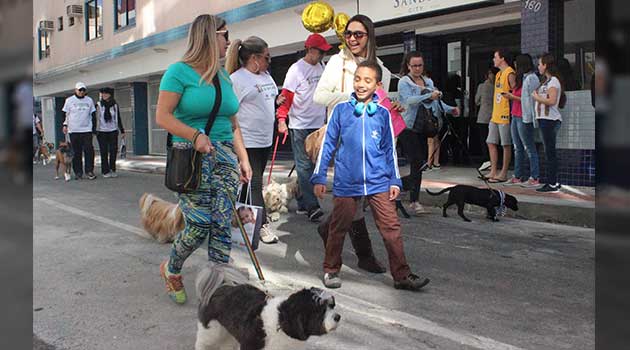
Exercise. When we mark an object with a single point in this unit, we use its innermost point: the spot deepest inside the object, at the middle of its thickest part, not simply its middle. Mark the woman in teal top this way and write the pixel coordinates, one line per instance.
(186, 98)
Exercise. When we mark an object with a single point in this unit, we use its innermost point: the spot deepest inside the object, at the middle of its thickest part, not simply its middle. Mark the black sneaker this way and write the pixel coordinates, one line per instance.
(547, 188)
(411, 282)
(91, 176)
(315, 214)
(78, 177)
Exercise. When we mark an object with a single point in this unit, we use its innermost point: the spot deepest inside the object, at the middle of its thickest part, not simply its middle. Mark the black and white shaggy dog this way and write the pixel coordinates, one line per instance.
(494, 201)
(236, 315)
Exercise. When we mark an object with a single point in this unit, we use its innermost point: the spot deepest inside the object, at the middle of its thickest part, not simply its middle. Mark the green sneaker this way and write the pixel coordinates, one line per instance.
(174, 284)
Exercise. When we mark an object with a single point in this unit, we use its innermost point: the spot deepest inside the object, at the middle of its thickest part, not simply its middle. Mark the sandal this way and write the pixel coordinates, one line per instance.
(496, 181)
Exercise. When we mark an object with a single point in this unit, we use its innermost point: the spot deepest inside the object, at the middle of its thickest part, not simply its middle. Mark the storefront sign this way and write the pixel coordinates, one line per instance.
(380, 10)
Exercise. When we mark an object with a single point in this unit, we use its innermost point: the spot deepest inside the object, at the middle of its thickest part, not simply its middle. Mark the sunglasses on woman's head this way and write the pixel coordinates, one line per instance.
(357, 35)
(226, 34)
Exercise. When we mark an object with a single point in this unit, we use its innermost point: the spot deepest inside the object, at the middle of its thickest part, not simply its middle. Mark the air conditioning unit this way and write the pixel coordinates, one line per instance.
(48, 26)
(74, 10)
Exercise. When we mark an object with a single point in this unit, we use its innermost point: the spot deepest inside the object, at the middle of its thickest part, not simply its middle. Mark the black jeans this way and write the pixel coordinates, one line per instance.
(258, 161)
(108, 144)
(414, 146)
(549, 131)
(82, 146)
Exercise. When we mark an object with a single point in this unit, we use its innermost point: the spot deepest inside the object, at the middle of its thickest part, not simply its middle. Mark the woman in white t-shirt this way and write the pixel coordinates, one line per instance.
(547, 99)
(247, 62)
(109, 122)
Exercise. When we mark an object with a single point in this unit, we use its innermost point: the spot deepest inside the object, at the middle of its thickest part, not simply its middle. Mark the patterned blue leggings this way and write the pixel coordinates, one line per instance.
(208, 211)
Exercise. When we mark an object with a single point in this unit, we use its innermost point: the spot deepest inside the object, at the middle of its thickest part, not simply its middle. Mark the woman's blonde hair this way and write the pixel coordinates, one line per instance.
(240, 51)
(203, 49)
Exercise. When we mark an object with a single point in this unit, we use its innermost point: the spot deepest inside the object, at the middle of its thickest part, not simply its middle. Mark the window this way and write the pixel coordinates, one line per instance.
(60, 23)
(70, 21)
(94, 22)
(43, 43)
(125, 13)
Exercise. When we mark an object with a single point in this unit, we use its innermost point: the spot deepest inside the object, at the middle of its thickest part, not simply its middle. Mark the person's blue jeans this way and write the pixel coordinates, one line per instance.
(549, 131)
(523, 139)
(304, 168)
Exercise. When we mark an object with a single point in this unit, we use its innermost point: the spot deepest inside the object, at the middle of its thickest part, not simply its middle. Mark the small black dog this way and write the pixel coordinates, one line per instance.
(487, 198)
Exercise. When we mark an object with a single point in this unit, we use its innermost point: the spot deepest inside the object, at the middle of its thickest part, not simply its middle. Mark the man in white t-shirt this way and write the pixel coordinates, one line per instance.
(304, 116)
(80, 124)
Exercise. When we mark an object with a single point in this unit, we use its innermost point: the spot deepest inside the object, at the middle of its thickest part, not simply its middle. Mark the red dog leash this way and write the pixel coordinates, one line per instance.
(273, 157)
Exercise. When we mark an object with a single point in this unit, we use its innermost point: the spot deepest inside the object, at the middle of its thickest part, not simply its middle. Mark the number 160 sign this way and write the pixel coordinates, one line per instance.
(533, 5)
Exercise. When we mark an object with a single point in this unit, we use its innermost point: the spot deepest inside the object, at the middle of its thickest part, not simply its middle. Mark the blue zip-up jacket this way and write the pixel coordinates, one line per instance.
(366, 161)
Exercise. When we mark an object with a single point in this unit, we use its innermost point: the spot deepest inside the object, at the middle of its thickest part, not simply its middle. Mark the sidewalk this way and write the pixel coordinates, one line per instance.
(572, 205)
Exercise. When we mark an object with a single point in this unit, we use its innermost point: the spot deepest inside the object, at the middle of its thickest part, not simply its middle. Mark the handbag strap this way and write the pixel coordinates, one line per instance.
(213, 113)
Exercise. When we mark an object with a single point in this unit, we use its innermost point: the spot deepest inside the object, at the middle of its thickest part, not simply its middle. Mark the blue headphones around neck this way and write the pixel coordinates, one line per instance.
(360, 106)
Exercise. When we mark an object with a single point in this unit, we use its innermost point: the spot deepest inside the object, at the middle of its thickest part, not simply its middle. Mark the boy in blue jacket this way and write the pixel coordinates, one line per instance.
(361, 133)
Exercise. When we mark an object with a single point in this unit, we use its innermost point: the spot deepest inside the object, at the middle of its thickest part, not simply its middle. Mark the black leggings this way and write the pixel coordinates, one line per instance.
(414, 146)
(258, 161)
(108, 145)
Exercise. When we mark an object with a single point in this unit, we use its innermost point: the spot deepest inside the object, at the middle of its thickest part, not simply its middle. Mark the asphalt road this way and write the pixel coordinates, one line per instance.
(514, 284)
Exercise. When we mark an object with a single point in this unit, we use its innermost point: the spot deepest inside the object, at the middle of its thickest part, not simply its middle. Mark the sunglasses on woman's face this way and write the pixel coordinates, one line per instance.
(266, 57)
(357, 35)
(226, 34)
(82, 90)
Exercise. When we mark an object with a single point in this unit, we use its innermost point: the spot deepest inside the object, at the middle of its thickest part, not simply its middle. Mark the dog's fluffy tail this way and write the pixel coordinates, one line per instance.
(161, 219)
(213, 276)
(439, 193)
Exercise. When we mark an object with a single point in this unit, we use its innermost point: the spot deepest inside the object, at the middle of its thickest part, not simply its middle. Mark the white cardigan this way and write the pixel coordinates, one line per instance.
(328, 91)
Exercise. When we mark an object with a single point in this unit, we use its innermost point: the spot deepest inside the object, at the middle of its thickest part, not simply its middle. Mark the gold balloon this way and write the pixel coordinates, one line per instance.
(340, 22)
(318, 17)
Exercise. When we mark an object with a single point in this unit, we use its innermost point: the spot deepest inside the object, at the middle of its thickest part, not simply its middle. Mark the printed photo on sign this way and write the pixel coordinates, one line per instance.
(251, 220)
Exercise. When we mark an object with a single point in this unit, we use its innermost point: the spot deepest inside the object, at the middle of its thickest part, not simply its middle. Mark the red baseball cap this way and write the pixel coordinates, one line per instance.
(317, 41)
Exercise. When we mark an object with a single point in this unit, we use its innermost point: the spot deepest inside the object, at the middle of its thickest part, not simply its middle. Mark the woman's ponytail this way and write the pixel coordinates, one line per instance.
(232, 61)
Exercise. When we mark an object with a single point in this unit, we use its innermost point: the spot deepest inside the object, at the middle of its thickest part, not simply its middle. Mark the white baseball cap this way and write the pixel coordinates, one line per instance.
(80, 85)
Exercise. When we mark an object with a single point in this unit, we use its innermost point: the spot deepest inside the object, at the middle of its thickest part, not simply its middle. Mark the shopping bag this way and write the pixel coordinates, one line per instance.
(123, 148)
(398, 123)
(251, 218)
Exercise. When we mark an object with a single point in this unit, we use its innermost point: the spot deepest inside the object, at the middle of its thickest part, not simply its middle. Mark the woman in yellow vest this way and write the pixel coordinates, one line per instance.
(499, 127)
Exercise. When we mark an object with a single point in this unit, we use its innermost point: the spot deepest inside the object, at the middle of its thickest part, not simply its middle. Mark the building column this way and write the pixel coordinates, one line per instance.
(139, 103)
(542, 27)
(58, 105)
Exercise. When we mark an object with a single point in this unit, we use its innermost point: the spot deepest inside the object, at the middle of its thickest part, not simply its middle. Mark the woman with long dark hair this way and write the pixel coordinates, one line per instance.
(109, 122)
(336, 85)
(523, 123)
(547, 109)
(416, 89)
(187, 96)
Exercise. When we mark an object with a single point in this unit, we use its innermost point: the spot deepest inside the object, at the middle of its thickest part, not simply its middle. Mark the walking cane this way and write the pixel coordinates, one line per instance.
(248, 244)
(273, 157)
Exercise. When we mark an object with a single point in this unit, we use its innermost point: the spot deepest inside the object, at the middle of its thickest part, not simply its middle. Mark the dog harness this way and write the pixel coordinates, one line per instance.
(501, 209)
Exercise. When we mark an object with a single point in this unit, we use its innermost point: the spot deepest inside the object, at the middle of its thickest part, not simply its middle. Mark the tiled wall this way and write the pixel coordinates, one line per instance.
(576, 142)
(578, 122)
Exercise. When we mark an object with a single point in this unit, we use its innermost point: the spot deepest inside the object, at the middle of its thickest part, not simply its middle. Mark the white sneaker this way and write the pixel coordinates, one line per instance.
(266, 236)
(485, 166)
(114, 174)
(417, 208)
(108, 175)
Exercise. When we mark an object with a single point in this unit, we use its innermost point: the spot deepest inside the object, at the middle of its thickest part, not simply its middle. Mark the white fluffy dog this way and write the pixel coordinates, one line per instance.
(161, 219)
(277, 197)
(233, 314)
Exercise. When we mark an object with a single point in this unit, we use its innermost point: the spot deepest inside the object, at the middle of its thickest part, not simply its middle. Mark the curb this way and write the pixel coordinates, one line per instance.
(573, 214)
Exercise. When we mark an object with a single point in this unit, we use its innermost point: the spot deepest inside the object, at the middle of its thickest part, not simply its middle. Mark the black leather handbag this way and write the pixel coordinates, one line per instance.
(183, 165)
(425, 123)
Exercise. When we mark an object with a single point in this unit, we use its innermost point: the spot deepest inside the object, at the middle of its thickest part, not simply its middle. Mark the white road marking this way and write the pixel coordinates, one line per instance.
(350, 303)
(140, 232)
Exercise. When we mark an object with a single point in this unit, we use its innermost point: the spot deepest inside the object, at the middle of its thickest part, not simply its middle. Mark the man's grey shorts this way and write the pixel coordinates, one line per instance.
(499, 134)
